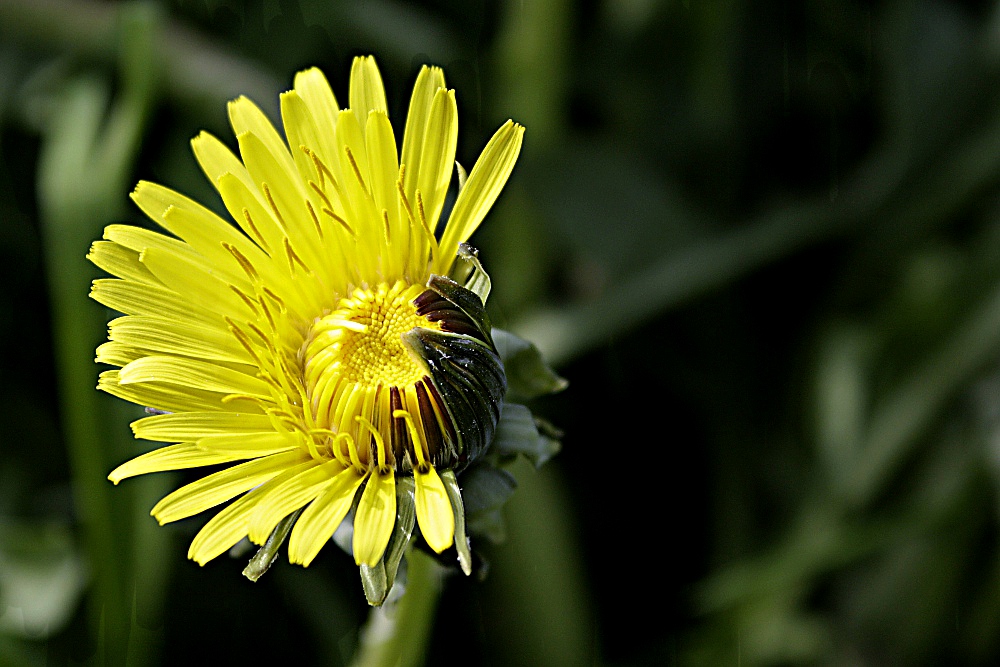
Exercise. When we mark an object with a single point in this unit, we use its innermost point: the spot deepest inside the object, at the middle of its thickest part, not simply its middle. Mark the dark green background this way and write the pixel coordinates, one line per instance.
(759, 238)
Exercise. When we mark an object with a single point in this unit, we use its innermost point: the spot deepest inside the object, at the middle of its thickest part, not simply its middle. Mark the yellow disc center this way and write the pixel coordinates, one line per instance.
(360, 342)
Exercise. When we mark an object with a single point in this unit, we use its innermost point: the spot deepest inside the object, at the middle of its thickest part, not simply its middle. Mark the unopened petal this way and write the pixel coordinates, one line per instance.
(375, 518)
(434, 513)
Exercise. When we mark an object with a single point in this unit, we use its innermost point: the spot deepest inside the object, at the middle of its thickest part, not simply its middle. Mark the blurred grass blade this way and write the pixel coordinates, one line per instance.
(88, 148)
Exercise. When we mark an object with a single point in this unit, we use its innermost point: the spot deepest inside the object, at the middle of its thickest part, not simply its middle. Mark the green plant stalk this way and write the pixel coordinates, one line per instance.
(86, 159)
(398, 637)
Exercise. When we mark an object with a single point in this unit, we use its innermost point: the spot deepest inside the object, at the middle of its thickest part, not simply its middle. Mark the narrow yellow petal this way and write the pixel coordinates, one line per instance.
(219, 487)
(286, 197)
(484, 184)
(190, 426)
(139, 239)
(383, 164)
(217, 160)
(195, 374)
(205, 232)
(366, 90)
(425, 89)
(312, 86)
(180, 337)
(438, 154)
(122, 262)
(173, 457)
(434, 512)
(375, 518)
(171, 397)
(302, 132)
(225, 529)
(196, 281)
(247, 118)
(117, 354)
(133, 298)
(289, 494)
(250, 444)
(320, 520)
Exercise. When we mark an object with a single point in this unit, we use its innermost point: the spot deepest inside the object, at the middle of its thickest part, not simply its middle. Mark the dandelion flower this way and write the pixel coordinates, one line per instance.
(318, 349)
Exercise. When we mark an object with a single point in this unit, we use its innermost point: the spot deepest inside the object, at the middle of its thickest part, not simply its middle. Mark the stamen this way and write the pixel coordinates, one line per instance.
(352, 451)
(343, 223)
(243, 340)
(255, 232)
(293, 258)
(379, 442)
(274, 297)
(321, 169)
(427, 229)
(274, 207)
(418, 442)
(267, 314)
(246, 299)
(244, 263)
(322, 194)
(357, 171)
(315, 219)
(264, 339)
(402, 198)
(385, 225)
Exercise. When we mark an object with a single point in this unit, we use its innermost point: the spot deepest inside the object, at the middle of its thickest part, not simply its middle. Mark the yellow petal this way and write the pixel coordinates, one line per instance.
(133, 298)
(288, 494)
(219, 487)
(180, 337)
(225, 529)
(170, 397)
(366, 90)
(195, 374)
(438, 154)
(216, 160)
(384, 167)
(320, 520)
(251, 445)
(375, 518)
(190, 426)
(481, 189)
(247, 118)
(434, 513)
(122, 262)
(312, 86)
(425, 90)
(205, 232)
(195, 281)
(117, 354)
(173, 457)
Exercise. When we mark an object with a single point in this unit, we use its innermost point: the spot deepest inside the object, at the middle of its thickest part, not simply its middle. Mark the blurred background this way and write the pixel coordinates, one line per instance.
(760, 238)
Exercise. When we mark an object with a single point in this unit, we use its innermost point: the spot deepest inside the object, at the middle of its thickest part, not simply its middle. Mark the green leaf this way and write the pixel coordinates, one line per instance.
(485, 490)
(517, 433)
(528, 376)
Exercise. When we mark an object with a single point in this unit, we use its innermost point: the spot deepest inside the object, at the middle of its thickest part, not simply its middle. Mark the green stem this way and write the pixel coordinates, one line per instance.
(399, 636)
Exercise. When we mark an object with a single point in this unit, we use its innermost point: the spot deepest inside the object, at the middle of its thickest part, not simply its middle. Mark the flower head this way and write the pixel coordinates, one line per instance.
(319, 351)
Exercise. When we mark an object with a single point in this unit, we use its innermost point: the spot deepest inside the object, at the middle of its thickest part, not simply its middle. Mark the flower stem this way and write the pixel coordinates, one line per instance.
(398, 635)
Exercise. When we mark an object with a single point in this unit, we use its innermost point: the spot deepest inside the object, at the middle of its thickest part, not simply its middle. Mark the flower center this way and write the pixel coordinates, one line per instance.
(366, 388)
(360, 343)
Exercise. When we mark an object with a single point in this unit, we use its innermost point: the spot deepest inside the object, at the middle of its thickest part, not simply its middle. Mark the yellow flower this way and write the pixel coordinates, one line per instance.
(321, 350)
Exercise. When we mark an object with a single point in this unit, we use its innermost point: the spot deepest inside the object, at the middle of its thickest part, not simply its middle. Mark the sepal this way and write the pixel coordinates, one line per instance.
(528, 376)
